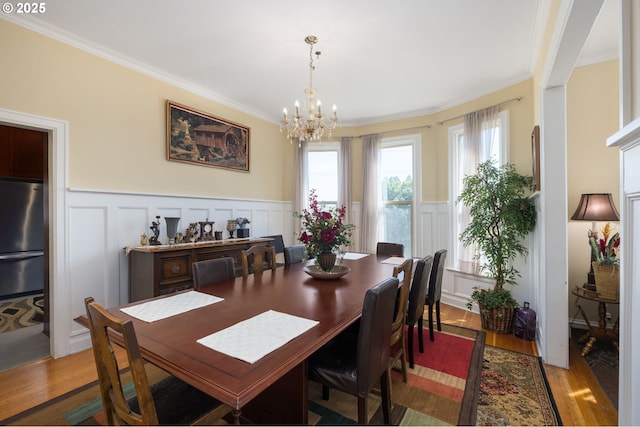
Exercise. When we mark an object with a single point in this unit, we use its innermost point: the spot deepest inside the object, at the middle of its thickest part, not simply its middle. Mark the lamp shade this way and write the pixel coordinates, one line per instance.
(596, 207)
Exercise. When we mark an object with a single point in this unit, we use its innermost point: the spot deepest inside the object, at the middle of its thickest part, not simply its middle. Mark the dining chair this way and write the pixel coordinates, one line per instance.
(278, 243)
(435, 289)
(293, 254)
(170, 401)
(355, 364)
(391, 249)
(212, 271)
(400, 315)
(417, 295)
(258, 258)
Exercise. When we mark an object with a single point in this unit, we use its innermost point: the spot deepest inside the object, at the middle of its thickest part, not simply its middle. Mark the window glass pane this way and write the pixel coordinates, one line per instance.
(323, 174)
(396, 179)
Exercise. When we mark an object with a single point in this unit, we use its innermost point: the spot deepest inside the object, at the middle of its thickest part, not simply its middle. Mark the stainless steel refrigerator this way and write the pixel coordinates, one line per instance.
(21, 238)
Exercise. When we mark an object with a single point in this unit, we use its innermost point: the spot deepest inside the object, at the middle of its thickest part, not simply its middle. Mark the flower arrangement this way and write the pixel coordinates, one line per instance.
(242, 220)
(604, 250)
(323, 228)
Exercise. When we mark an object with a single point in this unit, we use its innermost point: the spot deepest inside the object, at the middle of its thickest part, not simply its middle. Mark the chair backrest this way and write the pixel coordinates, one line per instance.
(293, 254)
(212, 271)
(418, 291)
(402, 300)
(261, 257)
(391, 249)
(277, 242)
(374, 337)
(435, 280)
(117, 410)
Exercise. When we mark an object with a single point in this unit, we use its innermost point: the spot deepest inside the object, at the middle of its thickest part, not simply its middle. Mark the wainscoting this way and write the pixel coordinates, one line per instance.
(101, 224)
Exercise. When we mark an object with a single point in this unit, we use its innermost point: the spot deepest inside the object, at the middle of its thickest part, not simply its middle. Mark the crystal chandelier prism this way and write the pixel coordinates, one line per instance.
(314, 125)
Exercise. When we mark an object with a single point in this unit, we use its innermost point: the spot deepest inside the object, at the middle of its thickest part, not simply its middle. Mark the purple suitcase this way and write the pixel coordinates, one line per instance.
(525, 323)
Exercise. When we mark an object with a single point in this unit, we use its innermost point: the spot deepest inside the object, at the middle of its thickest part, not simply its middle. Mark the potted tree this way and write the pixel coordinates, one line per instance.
(501, 214)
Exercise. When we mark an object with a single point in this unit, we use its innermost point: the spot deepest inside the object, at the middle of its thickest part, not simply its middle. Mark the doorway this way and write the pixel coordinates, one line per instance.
(24, 287)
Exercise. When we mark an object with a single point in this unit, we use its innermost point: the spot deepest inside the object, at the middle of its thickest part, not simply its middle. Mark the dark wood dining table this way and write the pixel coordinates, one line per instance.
(273, 390)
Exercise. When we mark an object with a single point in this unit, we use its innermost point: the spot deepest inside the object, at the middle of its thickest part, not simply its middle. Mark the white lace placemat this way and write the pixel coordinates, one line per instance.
(395, 260)
(252, 339)
(354, 255)
(170, 306)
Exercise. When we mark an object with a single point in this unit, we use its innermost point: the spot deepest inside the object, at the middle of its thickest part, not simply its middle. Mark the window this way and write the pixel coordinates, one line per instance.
(495, 140)
(322, 172)
(398, 189)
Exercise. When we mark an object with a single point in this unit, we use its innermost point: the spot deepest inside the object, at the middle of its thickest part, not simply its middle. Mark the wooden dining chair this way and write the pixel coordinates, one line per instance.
(400, 315)
(293, 254)
(278, 243)
(391, 249)
(212, 271)
(355, 364)
(417, 295)
(435, 289)
(258, 258)
(170, 401)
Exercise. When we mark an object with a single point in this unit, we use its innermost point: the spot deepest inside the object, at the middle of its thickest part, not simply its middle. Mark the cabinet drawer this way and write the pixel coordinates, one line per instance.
(174, 287)
(175, 268)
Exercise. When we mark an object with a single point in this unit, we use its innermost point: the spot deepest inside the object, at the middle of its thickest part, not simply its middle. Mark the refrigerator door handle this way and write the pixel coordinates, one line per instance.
(21, 256)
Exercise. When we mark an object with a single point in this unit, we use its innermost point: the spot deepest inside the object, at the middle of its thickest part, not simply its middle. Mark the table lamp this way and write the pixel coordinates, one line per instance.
(595, 207)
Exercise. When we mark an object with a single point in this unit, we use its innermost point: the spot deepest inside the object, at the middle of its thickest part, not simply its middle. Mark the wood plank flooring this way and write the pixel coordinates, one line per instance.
(579, 398)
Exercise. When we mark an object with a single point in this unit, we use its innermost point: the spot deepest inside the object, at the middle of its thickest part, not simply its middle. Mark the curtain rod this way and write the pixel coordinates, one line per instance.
(394, 130)
(495, 105)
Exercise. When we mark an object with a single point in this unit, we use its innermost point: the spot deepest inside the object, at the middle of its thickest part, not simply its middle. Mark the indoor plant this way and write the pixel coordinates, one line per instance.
(501, 215)
(323, 231)
(604, 251)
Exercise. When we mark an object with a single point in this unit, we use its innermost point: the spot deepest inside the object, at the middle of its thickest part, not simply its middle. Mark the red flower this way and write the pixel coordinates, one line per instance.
(305, 238)
(328, 236)
(325, 215)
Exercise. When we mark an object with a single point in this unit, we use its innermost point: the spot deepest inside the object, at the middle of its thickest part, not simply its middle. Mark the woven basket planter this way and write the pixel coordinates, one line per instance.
(607, 280)
(498, 320)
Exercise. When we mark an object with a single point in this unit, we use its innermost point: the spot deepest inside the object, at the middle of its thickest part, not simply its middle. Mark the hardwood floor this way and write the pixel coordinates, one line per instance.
(579, 398)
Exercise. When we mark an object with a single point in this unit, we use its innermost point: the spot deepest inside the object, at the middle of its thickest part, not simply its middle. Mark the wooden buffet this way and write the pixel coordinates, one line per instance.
(164, 269)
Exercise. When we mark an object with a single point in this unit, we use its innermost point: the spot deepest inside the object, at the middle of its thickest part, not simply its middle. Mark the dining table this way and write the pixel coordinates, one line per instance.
(271, 388)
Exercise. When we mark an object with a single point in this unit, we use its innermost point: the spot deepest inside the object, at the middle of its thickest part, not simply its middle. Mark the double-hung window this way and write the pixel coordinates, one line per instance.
(322, 172)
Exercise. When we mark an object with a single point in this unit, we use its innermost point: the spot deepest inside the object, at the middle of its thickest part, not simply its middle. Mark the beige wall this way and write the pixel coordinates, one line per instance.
(435, 151)
(592, 116)
(117, 123)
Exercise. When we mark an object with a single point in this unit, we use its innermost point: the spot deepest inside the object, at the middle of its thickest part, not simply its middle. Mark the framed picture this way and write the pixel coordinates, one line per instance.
(535, 152)
(202, 139)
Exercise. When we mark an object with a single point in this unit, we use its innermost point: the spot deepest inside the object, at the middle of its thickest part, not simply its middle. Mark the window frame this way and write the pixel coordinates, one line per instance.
(318, 147)
(415, 141)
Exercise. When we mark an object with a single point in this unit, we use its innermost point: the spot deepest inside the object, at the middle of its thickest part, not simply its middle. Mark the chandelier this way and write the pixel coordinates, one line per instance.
(313, 126)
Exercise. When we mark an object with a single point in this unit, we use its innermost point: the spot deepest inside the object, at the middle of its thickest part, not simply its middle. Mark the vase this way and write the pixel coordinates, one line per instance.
(498, 319)
(231, 227)
(607, 278)
(172, 228)
(326, 260)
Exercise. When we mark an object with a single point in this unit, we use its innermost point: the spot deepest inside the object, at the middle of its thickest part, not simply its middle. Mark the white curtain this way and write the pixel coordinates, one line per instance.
(301, 184)
(370, 194)
(344, 177)
(481, 134)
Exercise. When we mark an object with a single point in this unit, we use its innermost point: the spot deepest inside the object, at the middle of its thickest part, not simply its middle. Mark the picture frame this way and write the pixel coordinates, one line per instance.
(200, 138)
(535, 154)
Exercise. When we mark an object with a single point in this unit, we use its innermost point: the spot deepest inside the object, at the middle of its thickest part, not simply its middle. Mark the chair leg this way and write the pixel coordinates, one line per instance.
(420, 338)
(363, 417)
(386, 398)
(431, 322)
(403, 361)
(325, 392)
(438, 315)
(410, 345)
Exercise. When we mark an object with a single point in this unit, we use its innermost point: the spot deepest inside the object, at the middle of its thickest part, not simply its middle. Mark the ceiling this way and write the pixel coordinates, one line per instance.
(380, 60)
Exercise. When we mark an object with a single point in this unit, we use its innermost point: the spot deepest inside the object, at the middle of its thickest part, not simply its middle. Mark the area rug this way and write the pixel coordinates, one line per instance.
(21, 313)
(514, 391)
(603, 362)
(501, 387)
(442, 390)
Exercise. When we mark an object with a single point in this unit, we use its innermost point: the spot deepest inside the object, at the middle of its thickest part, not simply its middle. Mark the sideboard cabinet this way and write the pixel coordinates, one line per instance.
(164, 269)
